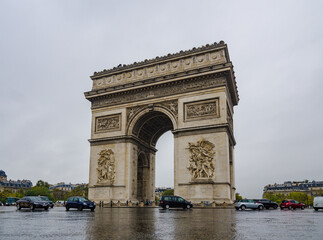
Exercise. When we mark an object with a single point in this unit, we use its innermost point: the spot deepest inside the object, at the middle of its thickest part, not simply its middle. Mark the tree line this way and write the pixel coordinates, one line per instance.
(42, 189)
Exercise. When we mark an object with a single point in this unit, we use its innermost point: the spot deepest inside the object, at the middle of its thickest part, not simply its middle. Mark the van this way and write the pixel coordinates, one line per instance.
(167, 202)
(318, 203)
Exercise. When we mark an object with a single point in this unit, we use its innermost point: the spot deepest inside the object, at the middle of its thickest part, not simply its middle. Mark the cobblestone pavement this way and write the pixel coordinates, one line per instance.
(154, 223)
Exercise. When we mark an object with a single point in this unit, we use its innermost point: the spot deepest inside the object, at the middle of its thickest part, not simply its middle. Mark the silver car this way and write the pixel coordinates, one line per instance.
(248, 203)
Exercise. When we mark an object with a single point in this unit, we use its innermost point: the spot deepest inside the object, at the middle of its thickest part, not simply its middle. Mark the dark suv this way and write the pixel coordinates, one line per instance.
(80, 203)
(167, 202)
(267, 203)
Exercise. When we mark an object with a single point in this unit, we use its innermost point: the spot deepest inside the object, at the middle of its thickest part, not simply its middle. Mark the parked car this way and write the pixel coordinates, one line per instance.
(318, 203)
(45, 198)
(1, 204)
(32, 202)
(167, 202)
(11, 201)
(267, 203)
(292, 204)
(248, 203)
(80, 203)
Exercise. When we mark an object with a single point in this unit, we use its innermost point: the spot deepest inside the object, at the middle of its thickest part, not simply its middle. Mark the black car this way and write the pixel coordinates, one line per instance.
(267, 203)
(80, 203)
(32, 202)
(45, 198)
(167, 202)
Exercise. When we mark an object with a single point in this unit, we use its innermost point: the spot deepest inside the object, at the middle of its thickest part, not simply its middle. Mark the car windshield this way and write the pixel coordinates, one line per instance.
(35, 199)
(44, 198)
(82, 199)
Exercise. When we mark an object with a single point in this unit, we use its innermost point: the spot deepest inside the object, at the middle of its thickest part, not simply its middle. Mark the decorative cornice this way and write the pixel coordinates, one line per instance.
(123, 67)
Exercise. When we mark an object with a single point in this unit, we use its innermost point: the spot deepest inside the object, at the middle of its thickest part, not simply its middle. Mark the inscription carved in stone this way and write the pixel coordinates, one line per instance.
(201, 160)
(106, 167)
(201, 109)
(107, 123)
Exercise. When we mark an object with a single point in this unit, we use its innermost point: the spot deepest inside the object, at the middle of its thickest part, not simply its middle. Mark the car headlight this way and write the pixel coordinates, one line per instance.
(84, 203)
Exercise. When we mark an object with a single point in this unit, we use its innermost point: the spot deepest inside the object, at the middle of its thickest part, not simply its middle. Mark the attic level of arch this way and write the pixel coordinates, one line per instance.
(169, 88)
(224, 69)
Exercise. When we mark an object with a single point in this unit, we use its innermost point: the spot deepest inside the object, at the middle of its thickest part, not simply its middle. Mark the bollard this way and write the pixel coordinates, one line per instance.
(224, 204)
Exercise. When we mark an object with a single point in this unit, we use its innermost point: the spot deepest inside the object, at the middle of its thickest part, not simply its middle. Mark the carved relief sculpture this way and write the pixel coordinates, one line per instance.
(107, 123)
(201, 160)
(106, 167)
(202, 109)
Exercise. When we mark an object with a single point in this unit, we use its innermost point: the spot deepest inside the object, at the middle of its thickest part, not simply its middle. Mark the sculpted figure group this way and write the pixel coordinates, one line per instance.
(201, 160)
(106, 167)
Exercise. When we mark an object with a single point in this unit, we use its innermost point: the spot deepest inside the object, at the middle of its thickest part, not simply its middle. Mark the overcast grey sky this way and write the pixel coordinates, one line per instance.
(48, 50)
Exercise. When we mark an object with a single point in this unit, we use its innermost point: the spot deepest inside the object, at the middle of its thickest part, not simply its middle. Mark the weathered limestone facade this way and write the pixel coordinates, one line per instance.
(192, 93)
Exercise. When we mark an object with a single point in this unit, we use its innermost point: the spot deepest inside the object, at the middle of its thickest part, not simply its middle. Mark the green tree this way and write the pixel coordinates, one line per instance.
(59, 195)
(4, 194)
(278, 198)
(168, 192)
(41, 183)
(39, 191)
(238, 197)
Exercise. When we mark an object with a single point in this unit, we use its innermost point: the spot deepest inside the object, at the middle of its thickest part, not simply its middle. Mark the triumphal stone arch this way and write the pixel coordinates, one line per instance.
(192, 93)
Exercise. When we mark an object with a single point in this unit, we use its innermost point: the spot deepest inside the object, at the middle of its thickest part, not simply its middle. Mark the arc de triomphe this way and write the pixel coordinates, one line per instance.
(192, 93)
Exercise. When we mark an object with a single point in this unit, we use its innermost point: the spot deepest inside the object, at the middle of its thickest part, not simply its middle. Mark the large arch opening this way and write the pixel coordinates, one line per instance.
(148, 128)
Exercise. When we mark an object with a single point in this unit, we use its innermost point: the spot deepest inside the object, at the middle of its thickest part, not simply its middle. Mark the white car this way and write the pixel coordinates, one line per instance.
(248, 203)
(318, 203)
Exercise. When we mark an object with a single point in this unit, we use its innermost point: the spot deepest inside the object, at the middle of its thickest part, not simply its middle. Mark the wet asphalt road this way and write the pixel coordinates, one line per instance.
(154, 223)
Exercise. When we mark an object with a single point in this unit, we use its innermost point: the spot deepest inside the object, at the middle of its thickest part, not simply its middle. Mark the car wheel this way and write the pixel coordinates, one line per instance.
(275, 207)
(80, 208)
(261, 207)
(67, 208)
(92, 209)
(31, 207)
(51, 206)
(18, 206)
(167, 206)
(237, 208)
(290, 207)
(243, 207)
(188, 206)
(281, 208)
(267, 207)
(316, 209)
(302, 207)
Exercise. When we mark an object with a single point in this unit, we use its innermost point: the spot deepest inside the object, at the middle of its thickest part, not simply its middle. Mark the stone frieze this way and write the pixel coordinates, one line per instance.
(201, 109)
(108, 123)
(161, 90)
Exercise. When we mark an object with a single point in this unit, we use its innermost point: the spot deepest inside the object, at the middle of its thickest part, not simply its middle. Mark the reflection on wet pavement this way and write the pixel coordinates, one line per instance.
(154, 223)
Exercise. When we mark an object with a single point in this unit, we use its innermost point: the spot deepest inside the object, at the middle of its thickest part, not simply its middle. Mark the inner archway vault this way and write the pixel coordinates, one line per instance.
(150, 125)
